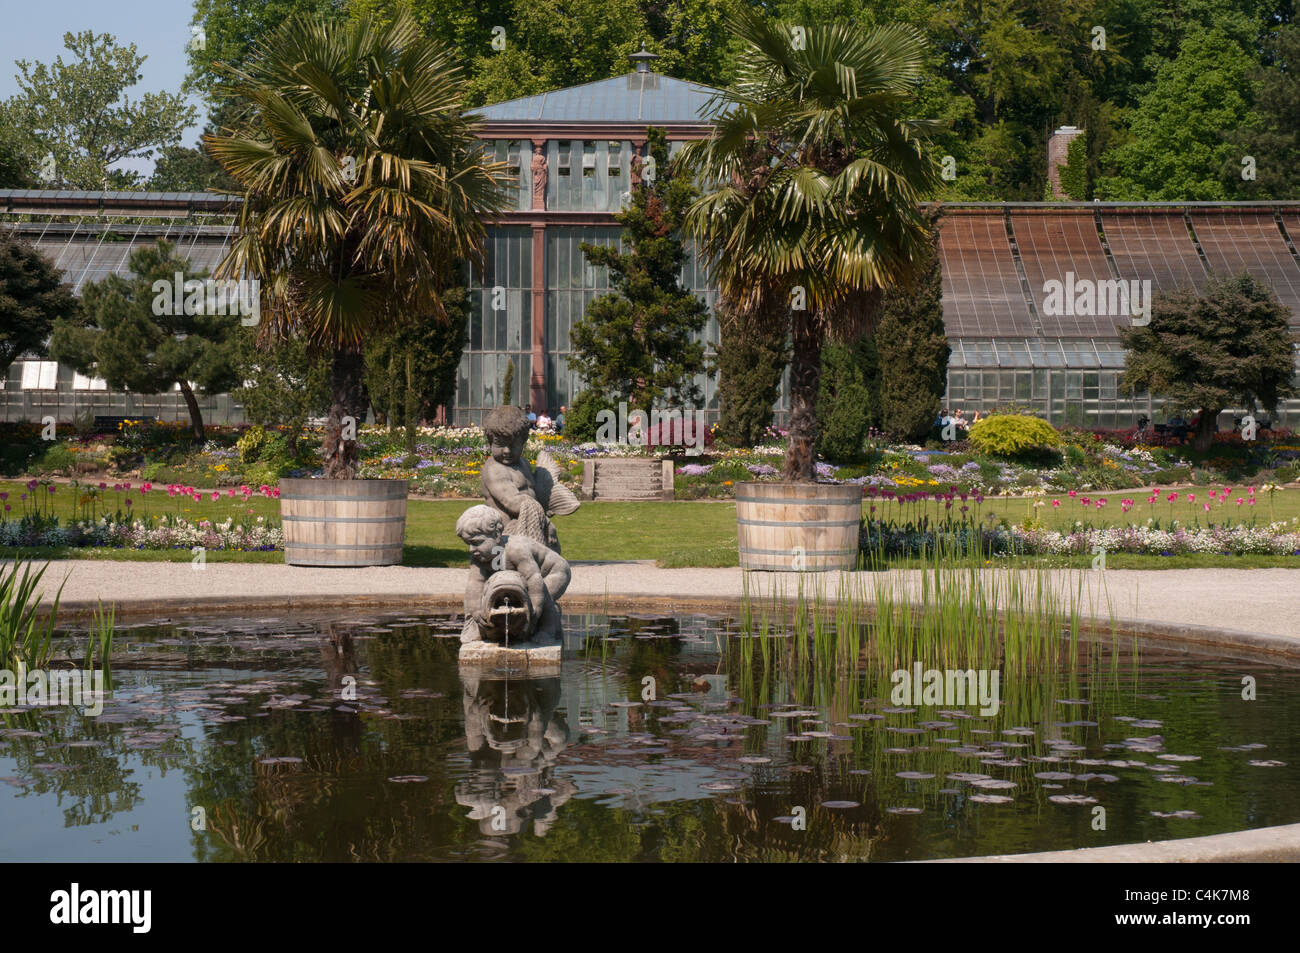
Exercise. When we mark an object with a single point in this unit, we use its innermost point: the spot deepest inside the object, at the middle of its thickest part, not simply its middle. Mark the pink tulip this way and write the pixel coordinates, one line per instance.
(231, 493)
(1240, 501)
(1072, 494)
(1252, 501)
(1101, 503)
(1056, 504)
(103, 486)
(1250, 490)
(1191, 497)
(216, 495)
(1173, 497)
(276, 492)
(1213, 495)
(1206, 507)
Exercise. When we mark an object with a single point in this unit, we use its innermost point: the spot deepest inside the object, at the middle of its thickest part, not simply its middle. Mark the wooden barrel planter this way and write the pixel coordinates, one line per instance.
(343, 522)
(798, 526)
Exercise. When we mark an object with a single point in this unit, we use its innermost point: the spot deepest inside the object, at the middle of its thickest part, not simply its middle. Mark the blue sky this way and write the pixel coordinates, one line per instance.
(33, 30)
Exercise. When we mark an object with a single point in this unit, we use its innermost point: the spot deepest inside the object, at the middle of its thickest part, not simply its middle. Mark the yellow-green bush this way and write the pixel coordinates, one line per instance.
(1013, 435)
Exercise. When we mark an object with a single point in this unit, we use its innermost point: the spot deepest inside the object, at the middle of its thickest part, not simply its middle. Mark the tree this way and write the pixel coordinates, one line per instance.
(363, 186)
(818, 175)
(1176, 148)
(284, 382)
(913, 348)
(508, 385)
(848, 403)
(1231, 344)
(133, 336)
(188, 169)
(32, 297)
(79, 115)
(640, 342)
(227, 33)
(412, 372)
(752, 356)
(1272, 140)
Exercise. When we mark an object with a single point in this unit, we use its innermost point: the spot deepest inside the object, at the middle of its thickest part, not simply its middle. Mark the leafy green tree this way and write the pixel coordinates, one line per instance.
(818, 173)
(15, 173)
(79, 114)
(132, 336)
(188, 169)
(284, 382)
(913, 348)
(752, 357)
(228, 32)
(411, 373)
(1230, 344)
(32, 298)
(363, 185)
(640, 342)
(1176, 148)
(1272, 140)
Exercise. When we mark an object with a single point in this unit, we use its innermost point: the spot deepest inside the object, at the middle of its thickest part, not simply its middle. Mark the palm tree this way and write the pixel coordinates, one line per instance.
(813, 178)
(364, 186)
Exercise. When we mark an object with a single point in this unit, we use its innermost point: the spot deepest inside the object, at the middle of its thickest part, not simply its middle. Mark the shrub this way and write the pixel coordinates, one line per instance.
(580, 422)
(57, 459)
(848, 401)
(1075, 456)
(250, 444)
(1008, 435)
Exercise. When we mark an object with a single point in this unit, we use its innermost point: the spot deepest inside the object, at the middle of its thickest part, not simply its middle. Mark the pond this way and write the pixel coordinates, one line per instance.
(354, 737)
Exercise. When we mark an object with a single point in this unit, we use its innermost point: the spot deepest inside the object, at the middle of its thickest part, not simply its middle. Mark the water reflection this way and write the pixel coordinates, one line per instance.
(513, 734)
(355, 737)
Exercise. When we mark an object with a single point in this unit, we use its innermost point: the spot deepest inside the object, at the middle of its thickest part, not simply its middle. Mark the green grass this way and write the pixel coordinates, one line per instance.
(693, 534)
(1285, 506)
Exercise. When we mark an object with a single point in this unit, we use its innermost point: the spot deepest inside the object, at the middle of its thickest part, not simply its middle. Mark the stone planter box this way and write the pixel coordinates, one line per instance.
(627, 478)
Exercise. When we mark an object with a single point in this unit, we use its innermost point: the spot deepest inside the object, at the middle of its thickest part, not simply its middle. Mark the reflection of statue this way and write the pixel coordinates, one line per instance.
(524, 496)
(540, 175)
(514, 583)
(513, 735)
(637, 164)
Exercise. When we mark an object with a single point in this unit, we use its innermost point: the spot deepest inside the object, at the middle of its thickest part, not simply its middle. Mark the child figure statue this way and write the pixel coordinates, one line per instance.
(525, 497)
(514, 583)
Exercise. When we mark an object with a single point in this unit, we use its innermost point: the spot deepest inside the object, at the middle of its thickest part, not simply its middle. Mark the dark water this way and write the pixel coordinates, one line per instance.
(230, 739)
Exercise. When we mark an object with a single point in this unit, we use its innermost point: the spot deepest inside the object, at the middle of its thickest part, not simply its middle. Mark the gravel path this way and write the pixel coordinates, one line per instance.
(1260, 601)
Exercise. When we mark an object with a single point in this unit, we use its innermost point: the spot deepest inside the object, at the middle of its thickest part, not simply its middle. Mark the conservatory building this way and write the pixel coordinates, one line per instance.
(1034, 294)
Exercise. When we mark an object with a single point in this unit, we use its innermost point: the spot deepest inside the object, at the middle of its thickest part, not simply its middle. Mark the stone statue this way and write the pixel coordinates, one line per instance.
(637, 165)
(514, 733)
(540, 175)
(525, 497)
(514, 584)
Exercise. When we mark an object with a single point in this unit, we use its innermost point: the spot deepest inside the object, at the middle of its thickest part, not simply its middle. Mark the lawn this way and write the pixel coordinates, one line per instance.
(684, 533)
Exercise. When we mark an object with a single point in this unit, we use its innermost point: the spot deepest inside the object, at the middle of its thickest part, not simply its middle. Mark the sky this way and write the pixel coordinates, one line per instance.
(33, 30)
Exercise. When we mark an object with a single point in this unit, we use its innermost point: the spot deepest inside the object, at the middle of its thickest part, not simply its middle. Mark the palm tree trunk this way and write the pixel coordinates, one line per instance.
(805, 377)
(340, 443)
(196, 416)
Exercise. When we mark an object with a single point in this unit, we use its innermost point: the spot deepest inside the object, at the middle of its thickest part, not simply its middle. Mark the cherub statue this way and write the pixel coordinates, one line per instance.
(526, 497)
(514, 583)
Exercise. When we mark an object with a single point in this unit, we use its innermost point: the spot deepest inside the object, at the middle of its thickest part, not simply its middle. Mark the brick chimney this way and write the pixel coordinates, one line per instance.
(1058, 149)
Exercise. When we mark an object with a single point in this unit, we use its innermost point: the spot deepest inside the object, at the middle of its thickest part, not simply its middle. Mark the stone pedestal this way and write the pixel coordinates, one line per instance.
(525, 658)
